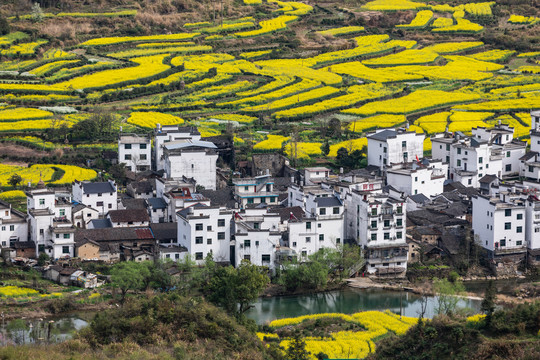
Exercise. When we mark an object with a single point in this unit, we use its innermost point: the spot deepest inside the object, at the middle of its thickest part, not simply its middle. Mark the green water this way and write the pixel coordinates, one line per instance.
(346, 301)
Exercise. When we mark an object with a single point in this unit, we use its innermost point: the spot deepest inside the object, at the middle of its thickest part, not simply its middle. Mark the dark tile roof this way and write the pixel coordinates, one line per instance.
(383, 135)
(97, 187)
(486, 179)
(114, 234)
(101, 223)
(134, 215)
(328, 201)
(221, 197)
(170, 249)
(419, 198)
(426, 230)
(285, 212)
(157, 203)
(23, 245)
(528, 155)
(78, 207)
(165, 231)
(143, 187)
(133, 204)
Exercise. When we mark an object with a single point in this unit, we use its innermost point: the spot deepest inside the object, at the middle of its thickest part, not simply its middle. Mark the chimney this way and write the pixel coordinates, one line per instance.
(341, 170)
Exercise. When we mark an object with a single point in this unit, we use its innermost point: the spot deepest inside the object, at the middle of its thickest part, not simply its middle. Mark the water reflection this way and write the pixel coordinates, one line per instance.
(346, 301)
(37, 331)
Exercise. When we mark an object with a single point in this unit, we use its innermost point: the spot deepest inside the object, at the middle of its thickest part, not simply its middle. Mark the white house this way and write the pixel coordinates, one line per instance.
(191, 159)
(532, 229)
(101, 196)
(135, 151)
(392, 146)
(205, 229)
(425, 177)
(50, 225)
(535, 131)
(257, 190)
(13, 225)
(499, 223)
(314, 175)
(377, 222)
(171, 133)
(82, 214)
(129, 218)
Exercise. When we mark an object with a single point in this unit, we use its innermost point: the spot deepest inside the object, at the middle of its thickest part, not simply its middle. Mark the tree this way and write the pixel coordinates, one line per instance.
(334, 128)
(14, 180)
(488, 303)
(127, 275)
(325, 148)
(101, 125)
(297, 348)
(4, 25)
(235, 289)
(448, 295)
(37, 13)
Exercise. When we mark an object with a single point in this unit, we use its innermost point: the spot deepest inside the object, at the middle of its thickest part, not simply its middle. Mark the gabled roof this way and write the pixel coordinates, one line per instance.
(383, 135)
(165, 231)
(285, 212)
(486, 179)
(97, 188)
(191, 143)
(101, 223)
(528, 155)
(134, 215)
(133, 204)
(419, 198)
(157, 203)
(114, 234)
(143, 187)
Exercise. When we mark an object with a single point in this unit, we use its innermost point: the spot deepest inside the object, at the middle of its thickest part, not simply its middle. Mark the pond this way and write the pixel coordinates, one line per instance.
(348, 300)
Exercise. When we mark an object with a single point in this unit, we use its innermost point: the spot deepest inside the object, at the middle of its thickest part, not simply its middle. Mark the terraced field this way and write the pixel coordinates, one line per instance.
(430, 70)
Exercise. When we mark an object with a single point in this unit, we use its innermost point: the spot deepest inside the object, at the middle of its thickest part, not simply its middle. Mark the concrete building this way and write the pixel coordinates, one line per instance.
(424, 177)
(204, 230)
(392, 146)
(135, 151)
(13, 226)
(101, 196)
(257, 190)
(191, 159)
(167, 134)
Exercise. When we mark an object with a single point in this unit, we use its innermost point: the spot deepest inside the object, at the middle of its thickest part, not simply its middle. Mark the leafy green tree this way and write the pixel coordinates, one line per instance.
(447, 295)
(100, 126)
(37, 13)
(297, 348)
(325, 148)
(14, 180)
(4, 25)
(235, 289)
(43, 258)
(488, 303)
(128, 275)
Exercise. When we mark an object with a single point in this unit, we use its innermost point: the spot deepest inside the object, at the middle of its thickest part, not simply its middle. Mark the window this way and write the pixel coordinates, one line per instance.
(508, 212)
(221, 236)
(487, 166)
(198, 227)
(209, 241)
(508, 167)
(99, 203)
(221, 222)
(319, 225)
(373, 211)
(127, 146)
(386, 236)
(127, 157)
(11, 227)
(508, 154)
(519, 243)
(294, 244)
(263, 200)
(530, 169)
(41, 232)
(110, 206)
(246, 188)
(321, 237)
(250, 201)
(41, 201)
(399, 235)
(399, 209)
(335, 211)
(142, 146)
(209, 228)
(458, 162)
(256, 242)
(256, 226)
(338, 240)
(66, 236)
(374, 224)
(247, 243)
(58, 236)
(198, 240)
(384, 150)
(507, 226)
(62, 212)
(65, 249)
(198, 256)
(322, 211)
(403, 144)
(399, 222)
(143, 157)
(308, 239)
(447, 147)
(502, 242)
(519, 216)
(308, 225)
(265, 258)
(373, 237)
(247, 257)
(3, 228)
(470, 181)
(459, 151)
(519, 229)
(386, 223)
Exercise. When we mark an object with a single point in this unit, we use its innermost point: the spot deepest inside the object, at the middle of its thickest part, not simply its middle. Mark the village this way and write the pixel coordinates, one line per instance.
(475, 197)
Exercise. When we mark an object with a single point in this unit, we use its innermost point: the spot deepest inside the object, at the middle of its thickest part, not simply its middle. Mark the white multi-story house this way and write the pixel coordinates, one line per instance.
(426, 177)
(205, 229)
(532, 229)
(257, 190)
(349, 183)
(129, 218)
(135, 151)
(101, 196)
(297, 194)
(194, 159)
(530, 162)
(171, 133)
(13, 225)
(314, 175)
(257, 236)
(82, 215)
(389, 146)
(499, 223)
(535, 131)
(50, 227)
(329, 214)
(377, 222)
